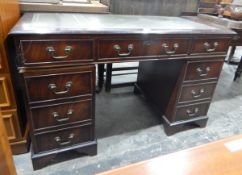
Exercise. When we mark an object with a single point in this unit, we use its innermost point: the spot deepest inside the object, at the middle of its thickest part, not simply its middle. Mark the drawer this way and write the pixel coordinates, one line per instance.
(60, 114)
(131, 48)
(3, 58)
(59, 84)
(197, 92)
(10, 120)
(63, 138)
(203, 70)
(7, 98)
(201, 45)
(55, 51)
(4, 92)
(1, 28)
(191, 111)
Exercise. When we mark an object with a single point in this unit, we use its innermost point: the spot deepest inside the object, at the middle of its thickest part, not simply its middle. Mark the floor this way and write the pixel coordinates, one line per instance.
(128, 131)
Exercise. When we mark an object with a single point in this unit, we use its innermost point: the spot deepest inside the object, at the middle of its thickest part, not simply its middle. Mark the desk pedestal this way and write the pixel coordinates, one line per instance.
(178, 96)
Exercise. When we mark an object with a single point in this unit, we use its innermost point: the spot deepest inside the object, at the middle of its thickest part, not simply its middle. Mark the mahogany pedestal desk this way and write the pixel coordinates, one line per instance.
(54, 70)
(221, 157)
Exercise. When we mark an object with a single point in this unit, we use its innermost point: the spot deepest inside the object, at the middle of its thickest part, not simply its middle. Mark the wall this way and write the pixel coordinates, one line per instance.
(153, 7)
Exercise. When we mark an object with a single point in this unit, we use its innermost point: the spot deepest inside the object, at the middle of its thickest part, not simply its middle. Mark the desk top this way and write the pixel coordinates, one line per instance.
(217, 158)
(74, 23)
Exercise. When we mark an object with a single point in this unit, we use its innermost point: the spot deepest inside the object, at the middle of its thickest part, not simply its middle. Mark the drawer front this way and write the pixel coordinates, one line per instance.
(191, 111)
(197, 92)
(4, 92)
(56, 51)
(10, 120)
(202, 45)
(131, 48)
(7, 98)
(1, 59)
(59, 114)
(63, 138)
(203, 70)
(3, 65)
(49, 87)
(1, 28)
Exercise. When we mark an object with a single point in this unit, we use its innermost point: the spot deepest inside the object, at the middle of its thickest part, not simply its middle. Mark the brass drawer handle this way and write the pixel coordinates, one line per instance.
(53, 88)
(193, 113)
(203, 72)
(169, 52)
(208, 48)
(52, 52)
(197, 94)
(117, 48)
(57, 116)
(58, 139)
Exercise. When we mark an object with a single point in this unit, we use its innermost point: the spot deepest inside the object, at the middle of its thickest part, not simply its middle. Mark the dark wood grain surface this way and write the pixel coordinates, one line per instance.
(202, 70)
(199, 47)
(143, 47)
(65, 85)
(45, 51)
(61, 114)
(63, 138)
(191, 111)
(196, 92)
